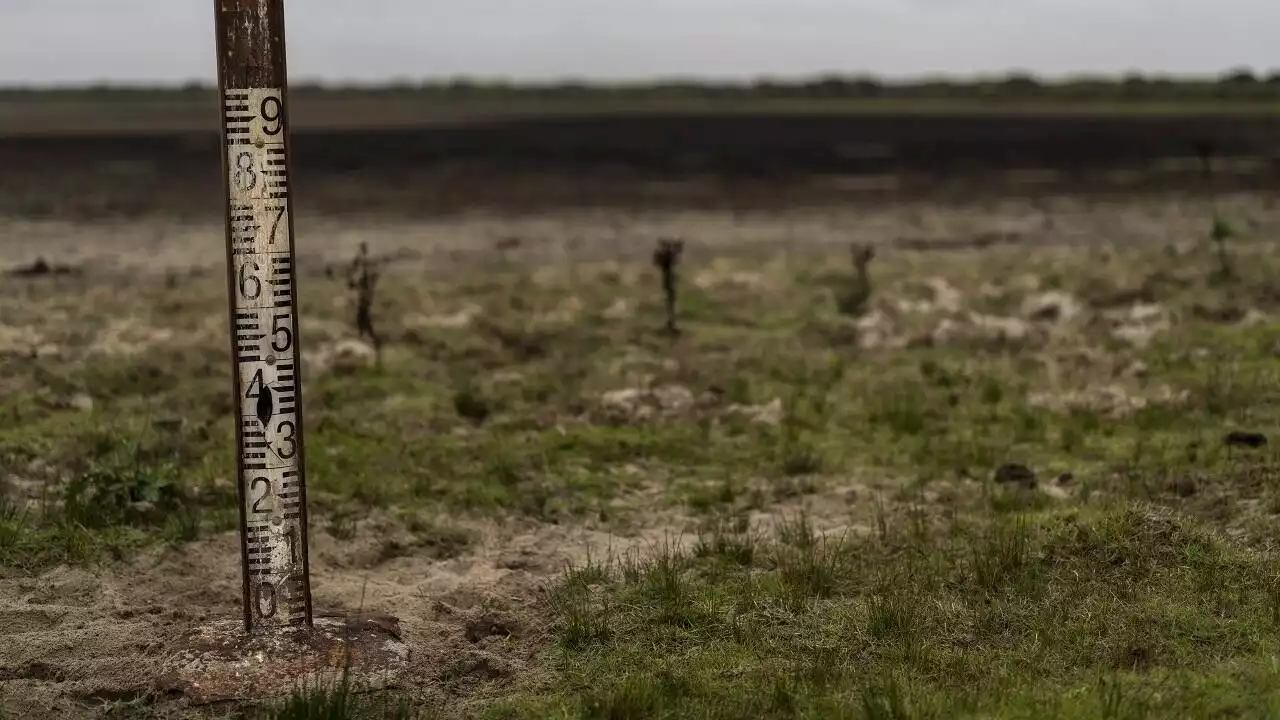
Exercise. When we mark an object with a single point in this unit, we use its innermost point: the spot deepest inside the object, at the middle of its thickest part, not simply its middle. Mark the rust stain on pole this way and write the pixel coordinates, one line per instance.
(251, 43)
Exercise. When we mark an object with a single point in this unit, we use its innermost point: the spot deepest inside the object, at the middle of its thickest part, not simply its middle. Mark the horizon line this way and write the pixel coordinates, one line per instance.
(482, 80)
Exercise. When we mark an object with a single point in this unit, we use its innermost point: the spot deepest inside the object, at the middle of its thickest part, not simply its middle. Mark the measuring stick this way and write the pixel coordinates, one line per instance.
(263, 299)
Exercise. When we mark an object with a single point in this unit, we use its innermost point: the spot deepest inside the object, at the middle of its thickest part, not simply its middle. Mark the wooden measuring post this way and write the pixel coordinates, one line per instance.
(263, 314)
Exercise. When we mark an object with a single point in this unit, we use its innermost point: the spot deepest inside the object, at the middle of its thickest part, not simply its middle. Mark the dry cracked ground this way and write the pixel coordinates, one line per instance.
(1021, 473)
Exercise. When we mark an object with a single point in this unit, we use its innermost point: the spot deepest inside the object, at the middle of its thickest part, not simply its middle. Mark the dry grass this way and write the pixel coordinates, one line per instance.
(805, 503)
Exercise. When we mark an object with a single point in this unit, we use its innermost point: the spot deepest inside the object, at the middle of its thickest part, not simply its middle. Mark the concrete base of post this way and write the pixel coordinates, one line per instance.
(220, 662)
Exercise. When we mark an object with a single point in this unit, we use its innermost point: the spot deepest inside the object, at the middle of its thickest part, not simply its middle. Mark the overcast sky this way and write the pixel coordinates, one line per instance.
(172, 40)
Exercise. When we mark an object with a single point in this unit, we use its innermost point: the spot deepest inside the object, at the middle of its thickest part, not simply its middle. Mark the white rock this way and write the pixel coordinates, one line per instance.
(1053, 306)
(1139, 324)
(1254, 318)
(619, 310)
(874, 329)
(945, 295)
(640, 403)
(344, 355)
(769, 414)
(1000, 329)
(451, 321)
(1135, 369)
(674, 398)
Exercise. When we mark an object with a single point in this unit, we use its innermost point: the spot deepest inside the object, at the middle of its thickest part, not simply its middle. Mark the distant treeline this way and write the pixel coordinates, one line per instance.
(1236, 84)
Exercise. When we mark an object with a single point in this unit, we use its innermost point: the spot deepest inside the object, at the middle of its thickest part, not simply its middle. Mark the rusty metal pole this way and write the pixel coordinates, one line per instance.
(263, 314)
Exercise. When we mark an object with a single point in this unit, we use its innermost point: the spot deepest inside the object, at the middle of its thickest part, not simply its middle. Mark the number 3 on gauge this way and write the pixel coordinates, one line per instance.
(284, 433)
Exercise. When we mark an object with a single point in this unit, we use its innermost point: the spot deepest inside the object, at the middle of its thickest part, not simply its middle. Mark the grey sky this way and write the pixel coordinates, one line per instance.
(162, 40)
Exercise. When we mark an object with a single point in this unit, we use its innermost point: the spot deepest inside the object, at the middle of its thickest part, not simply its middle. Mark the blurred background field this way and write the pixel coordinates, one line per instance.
(970, 412)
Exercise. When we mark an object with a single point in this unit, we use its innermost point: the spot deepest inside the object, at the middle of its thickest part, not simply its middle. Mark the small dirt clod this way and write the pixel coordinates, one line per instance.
(1239, 438)
(1015, 474)
(487, 626)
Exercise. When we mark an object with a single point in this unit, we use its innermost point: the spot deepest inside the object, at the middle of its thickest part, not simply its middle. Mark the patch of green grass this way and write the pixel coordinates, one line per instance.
(1074, 613)
(120, 494)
